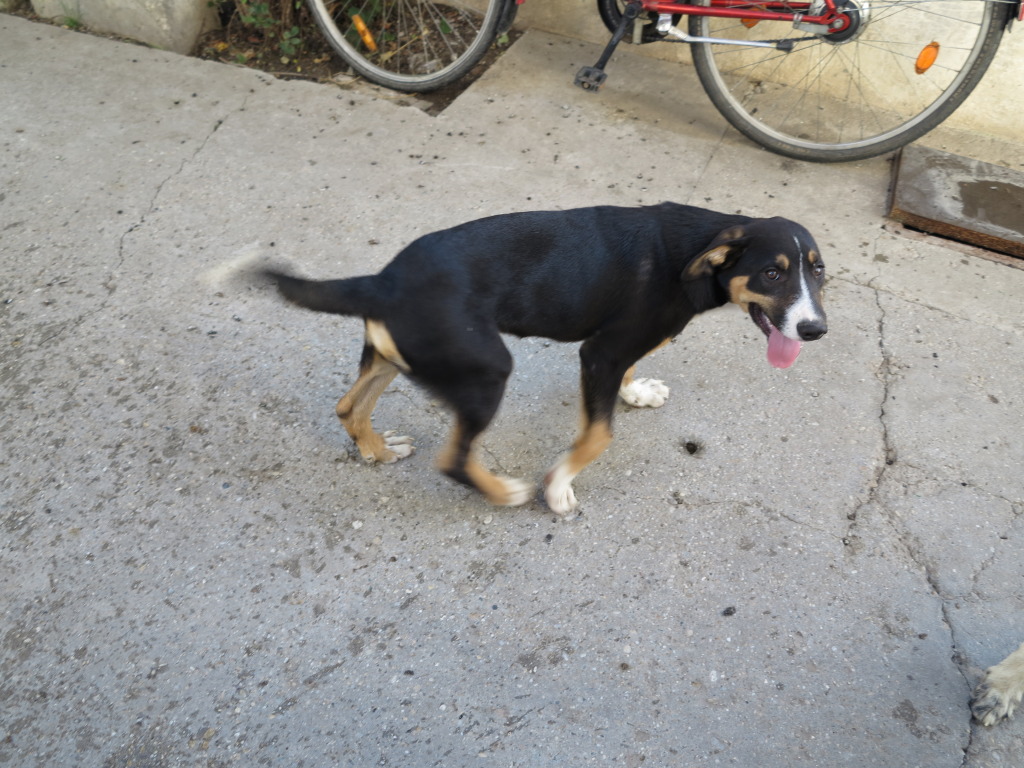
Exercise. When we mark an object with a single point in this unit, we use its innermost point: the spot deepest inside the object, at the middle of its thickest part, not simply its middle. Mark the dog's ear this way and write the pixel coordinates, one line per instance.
(721, 253)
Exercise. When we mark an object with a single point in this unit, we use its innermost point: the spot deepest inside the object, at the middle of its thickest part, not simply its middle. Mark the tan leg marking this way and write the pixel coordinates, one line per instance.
(593, 440)
(628, 378)
(589, 445)
(355, 407)
(500, 491)
(380, 339)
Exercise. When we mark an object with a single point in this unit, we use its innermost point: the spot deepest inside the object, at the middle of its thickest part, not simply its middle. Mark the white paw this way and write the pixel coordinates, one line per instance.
(517, 492)
(644, 393)
(998, 695)
(400, 446)
(558, 492)
(990, 705)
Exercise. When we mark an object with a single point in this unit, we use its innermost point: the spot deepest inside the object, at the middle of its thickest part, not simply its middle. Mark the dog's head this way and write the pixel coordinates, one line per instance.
(772, 268)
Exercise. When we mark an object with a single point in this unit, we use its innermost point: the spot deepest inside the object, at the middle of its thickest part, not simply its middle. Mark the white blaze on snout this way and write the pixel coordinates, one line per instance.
(804, 308)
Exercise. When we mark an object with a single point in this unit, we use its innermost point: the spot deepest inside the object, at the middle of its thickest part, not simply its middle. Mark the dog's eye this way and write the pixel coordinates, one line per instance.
(772, 273)
(818, 270)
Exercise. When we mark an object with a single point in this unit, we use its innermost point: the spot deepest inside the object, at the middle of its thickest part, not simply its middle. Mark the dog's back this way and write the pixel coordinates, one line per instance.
(536, 273)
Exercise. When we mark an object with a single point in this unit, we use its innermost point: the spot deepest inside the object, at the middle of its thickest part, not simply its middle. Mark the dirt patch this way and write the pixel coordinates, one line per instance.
(292, 48)
(315, 60)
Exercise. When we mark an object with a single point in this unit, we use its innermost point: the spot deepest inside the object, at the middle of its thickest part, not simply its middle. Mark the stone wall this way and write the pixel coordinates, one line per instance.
(173, 25)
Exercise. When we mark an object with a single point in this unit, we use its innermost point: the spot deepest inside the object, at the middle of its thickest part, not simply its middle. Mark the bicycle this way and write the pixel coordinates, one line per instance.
(820, 80)
(413, 45)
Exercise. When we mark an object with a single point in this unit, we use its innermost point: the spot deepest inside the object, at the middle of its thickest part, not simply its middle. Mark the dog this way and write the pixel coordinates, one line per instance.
(1000, 691)
(623, 281)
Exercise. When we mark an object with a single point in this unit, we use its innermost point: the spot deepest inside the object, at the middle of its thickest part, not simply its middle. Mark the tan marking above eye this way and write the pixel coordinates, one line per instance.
(782, 262)
(813, 257)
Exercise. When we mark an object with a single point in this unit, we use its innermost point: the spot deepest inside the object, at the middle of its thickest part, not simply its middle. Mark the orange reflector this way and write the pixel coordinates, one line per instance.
(751, 23)
(364, 33)
(926, 58)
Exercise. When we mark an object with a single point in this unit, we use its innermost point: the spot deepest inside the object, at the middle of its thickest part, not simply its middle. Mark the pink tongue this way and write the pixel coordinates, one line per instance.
(782, 351)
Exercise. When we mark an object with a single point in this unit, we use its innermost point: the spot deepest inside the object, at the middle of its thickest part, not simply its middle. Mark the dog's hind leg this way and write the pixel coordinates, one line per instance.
(599, 381)
(459, 462)
(475, 395)
(354, 409)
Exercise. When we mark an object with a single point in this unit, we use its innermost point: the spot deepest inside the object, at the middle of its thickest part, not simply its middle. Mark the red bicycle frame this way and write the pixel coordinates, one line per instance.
(744, 10)
(739, 9)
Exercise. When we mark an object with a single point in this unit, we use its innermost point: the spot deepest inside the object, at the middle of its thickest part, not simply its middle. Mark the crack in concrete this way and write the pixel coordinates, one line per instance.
(804, 524)
(851, 279)
(678, 499)
(712, 155)
(886, 374)
(108, 282)
(1017, 510)
(188, 160)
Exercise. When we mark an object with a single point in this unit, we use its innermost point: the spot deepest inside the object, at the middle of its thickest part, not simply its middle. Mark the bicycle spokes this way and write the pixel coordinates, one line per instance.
(829, 79)
(893, 71)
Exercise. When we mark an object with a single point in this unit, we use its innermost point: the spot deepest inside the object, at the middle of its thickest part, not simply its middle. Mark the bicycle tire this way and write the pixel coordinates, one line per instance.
(853, 97)
(611, 12)
(410, 45)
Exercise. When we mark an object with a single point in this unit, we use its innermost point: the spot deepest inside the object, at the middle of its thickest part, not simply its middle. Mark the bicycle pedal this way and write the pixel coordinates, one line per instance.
(590, 78)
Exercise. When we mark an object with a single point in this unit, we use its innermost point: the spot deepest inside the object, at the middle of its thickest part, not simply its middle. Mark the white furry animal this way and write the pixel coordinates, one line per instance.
(1001, 690)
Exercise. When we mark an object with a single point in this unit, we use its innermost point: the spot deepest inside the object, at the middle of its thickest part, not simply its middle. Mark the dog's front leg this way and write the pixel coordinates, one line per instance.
(558, 492)
(644, 393)
(599, 382)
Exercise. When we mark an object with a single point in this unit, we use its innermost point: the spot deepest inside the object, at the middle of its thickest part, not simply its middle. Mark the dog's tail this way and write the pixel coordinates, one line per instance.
(360, 296)
(251, 267)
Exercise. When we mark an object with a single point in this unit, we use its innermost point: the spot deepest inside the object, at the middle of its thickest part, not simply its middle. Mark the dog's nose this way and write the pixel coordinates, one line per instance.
(810, 330)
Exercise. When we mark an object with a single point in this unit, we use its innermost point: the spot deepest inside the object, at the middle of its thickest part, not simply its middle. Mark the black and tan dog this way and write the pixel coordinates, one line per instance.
(621, 280)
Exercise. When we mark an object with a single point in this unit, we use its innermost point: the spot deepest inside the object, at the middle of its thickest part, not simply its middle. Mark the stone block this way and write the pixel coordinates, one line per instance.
(173, 25)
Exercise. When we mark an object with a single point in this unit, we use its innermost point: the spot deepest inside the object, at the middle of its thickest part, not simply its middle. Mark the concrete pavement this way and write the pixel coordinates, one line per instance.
(196, 568)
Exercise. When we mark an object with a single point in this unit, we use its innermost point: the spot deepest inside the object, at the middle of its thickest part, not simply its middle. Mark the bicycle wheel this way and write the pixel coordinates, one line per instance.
(898, 70)
(410, 45)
